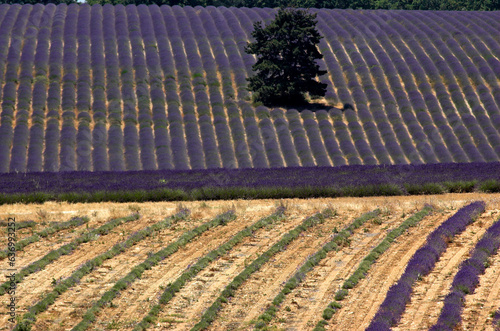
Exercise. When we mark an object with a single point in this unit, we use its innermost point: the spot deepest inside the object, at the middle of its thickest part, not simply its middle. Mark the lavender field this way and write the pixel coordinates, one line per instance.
(98, 88)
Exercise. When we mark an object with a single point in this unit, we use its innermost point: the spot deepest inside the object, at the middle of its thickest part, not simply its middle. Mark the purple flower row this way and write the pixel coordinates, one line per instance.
(467, 279)
(421, 264)
(328, 135)
(285, 138)
(269, 138)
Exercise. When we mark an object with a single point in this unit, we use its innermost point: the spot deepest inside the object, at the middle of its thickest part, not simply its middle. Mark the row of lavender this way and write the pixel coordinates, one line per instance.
(137, 87)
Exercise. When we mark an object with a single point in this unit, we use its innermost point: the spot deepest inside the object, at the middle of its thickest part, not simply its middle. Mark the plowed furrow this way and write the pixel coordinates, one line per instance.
(302, 308)
(136, 301)
(363, 300)
(262, 286)
(35, 285)
(428, 294)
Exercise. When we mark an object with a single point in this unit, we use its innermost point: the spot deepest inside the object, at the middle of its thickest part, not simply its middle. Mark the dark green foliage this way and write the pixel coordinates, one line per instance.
(34, 2)
(286, 53)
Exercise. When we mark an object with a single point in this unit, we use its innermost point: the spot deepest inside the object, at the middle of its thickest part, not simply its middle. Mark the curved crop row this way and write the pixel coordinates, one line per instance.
(421, 263)
(96, 88)
(467, 279)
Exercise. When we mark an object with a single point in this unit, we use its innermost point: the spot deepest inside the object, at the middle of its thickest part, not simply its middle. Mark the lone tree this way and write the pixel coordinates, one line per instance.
(286, 53)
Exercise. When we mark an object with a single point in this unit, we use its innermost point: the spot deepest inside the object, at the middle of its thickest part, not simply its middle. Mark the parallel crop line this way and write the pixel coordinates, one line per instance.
(211, 313)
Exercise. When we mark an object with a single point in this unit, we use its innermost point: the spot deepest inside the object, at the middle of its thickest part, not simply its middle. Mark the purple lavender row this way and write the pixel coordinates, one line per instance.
(352, 63)
(331, 144)
(316, 143)
(269, 138)
(176, 127)
(285, 138)
(460, 131)
(194, 145)
(212, 159)
(467, 279)
(237, 130)
(162, 140)
(421, 264)
(228, 35)
(356, 132)
(372, 94)
(100, 161)
(84, 135)
(474, 129)
(484, 29)
(35, 148)
(67, 155)
(376, 59)
(52, 133)
(146, 139)
(240, 22)
(422, 98)
(416, 99)
(9, 90)
(458, 72)
(391, 63)
(8, 16)
(478, 70)
(20, 139)
(113, 92)
(378, 66)
(445, 104)
(344, 138)
(222, 132)
(418, 103)
(130, 135)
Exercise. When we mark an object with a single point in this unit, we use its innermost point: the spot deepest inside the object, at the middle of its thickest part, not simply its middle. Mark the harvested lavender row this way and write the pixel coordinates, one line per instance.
(29, 318)
(21, 244)
(467, 279)
(67, 249)
(366, 264)
(421, 264)
(211, 313)
(202, 263)
(337, 241)
(150, 262)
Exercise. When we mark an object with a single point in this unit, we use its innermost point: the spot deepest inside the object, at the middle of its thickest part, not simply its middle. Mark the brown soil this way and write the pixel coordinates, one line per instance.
(257, 292)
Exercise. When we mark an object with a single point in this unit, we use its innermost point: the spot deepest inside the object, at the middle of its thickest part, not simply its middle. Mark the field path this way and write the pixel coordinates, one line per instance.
(428, 294)
(302, 308)
(363, 301)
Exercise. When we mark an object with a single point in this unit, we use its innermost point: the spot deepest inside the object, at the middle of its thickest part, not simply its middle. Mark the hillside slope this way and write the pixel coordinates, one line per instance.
(100, 88)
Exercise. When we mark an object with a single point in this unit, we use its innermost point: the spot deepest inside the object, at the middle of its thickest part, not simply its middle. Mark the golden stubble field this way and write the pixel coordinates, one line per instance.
(301, 309)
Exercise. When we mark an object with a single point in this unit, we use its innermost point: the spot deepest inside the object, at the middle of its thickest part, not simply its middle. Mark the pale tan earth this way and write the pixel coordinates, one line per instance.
(305, 303)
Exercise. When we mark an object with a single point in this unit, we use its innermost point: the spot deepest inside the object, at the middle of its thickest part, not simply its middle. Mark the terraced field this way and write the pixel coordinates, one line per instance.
(246, 264)
(139, 88)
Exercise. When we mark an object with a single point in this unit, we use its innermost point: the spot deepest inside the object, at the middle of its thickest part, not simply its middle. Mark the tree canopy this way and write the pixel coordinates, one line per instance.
(286, 65)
